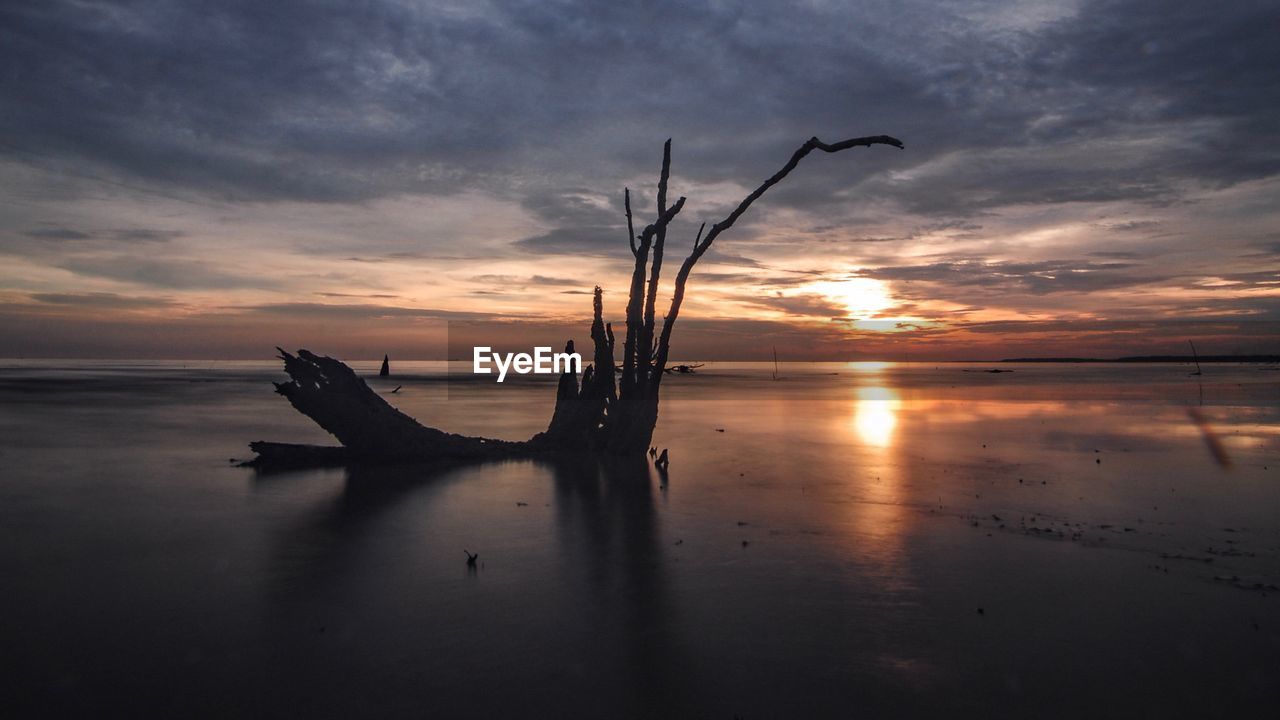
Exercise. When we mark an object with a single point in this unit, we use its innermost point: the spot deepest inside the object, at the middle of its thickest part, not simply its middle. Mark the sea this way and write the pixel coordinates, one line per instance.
(831, 540)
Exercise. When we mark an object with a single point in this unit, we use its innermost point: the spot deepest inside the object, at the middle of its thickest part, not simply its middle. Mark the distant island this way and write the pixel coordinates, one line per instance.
(1152, 359)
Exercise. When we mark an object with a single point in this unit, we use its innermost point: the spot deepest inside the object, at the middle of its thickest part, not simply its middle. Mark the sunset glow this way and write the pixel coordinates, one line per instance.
(876, 415)
(864, 298)
(365, 200)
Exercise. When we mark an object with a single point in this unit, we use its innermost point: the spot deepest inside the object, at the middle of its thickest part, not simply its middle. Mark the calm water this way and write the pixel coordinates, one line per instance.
(826, 555)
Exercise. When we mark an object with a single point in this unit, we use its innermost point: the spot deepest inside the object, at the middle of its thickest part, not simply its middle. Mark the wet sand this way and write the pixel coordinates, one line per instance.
(850, 540)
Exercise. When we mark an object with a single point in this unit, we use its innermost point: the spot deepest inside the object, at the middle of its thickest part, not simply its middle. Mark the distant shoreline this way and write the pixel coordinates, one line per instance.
(1153, 359)
(1260, 359)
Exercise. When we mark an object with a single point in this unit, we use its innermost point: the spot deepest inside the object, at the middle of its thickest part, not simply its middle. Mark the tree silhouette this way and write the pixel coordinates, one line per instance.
(604, 413)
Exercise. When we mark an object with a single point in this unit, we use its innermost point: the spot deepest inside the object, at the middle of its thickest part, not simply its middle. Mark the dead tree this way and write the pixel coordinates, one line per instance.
(599, 414)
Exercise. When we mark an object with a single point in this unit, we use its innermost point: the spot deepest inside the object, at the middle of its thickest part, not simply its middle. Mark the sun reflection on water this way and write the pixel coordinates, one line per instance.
(876, 415)
(869, 366)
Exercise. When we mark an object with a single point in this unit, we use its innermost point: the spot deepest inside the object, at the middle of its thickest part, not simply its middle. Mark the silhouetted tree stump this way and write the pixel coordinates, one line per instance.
(600, 413)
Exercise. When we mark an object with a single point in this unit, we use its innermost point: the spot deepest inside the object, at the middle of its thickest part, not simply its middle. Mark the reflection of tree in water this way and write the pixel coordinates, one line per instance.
(321, 543)
(607, 522)
(608, 551)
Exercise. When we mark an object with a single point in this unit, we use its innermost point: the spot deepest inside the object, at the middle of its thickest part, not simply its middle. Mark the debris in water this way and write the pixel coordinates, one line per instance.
(662, 461)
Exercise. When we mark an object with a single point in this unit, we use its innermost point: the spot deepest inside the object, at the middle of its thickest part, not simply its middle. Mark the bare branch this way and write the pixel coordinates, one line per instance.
(809, 146)
(635, 302)
(655, 269)
(701, 247)
(631, 233)
(664, 177)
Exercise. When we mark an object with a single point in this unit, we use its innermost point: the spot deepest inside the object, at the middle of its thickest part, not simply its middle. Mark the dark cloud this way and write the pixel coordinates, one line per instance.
(350, 312)
(110, 301)
(281, 100)
(733, 278)
(395, 257)
(1178, 329)
(1130, 225)
(57, 234)
(578, 240)
(525, 281)
(124, 237)
(949, 229)
(577, 206)
(1036, 278)
(144, 235)
(800, 305)
(161, 273)
(1179, 62)
(717, 254)
(1233, 281)
(372, 296)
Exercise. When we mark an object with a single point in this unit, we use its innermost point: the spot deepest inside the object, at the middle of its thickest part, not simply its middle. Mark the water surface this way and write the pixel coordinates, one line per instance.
(821, 547)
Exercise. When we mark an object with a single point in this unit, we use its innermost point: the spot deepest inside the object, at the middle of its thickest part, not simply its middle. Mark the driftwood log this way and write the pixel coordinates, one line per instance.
(605, 412)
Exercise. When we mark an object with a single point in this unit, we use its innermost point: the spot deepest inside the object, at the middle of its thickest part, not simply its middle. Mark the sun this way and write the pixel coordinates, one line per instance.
(862, 297)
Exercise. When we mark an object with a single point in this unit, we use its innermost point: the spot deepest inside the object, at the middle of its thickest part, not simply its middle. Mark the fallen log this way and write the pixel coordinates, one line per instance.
(369, 428)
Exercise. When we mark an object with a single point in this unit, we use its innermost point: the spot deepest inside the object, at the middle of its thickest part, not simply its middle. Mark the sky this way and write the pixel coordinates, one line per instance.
(191, 179)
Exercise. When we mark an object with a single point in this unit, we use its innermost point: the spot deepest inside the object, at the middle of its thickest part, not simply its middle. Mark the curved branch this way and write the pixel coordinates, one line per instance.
(700, 248)
(809, 146)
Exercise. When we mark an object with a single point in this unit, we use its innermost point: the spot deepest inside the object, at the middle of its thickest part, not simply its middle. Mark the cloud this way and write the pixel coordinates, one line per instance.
(348, 104)
(578, 240)
(1062, 152)
(356, 311)
(65, 235)
(57, 234)
(1036, 278)
(800, 305)
(101, 300)
(1130, 225)
(1115, 254)
(144, 235)
(525, 281)
(161, 273)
